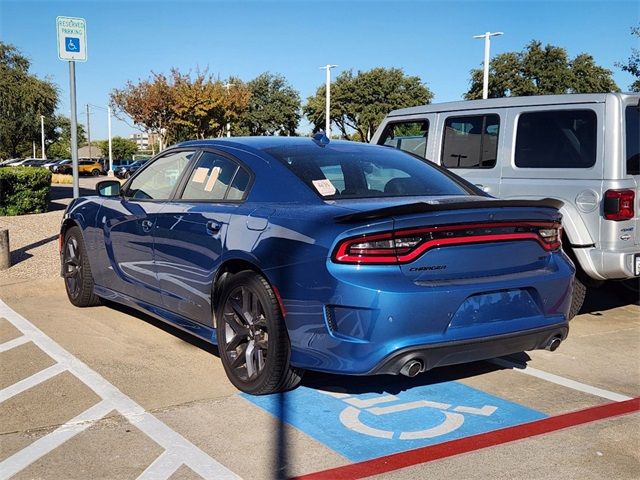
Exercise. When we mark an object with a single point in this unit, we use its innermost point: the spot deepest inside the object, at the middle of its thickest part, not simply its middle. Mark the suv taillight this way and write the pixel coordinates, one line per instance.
(404, 246)
(618, 204)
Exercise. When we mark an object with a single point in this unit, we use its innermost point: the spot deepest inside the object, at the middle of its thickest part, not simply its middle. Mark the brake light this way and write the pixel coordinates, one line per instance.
(618, 204)
(404, 246)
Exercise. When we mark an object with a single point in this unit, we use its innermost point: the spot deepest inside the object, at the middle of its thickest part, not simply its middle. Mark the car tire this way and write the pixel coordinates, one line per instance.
(579, 294)
(252, 337)
(127, 175)
(76, 270)
(95, 172)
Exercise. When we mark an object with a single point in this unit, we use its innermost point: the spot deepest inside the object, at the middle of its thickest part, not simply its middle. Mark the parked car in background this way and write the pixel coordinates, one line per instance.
(85, 167)
(298, 253)
(50, 163)
(56, 166)
(10, 161)
(34, 162)
(580, 149)
(126, 171)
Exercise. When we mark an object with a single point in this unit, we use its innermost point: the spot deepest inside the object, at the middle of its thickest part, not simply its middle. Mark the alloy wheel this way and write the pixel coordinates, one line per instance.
(246, 337)
(72, 266)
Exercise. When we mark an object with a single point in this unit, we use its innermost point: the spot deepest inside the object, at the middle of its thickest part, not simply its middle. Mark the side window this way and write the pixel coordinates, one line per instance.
(471, 141)
(556, 139)
(408, 136)
(157, 180)
(216, 178)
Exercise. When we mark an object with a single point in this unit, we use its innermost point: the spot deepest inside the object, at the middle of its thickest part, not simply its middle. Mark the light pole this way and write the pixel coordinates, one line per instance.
(42, 135)
(110, 172)
(228, 86)
(487, 46)
(327, 122)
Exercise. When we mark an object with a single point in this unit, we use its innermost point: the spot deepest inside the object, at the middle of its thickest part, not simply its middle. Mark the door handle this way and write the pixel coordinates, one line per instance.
(146, 225)
(213, 227)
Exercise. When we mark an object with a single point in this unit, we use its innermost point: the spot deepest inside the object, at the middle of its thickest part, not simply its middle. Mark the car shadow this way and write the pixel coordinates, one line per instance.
(176, 332)
(607, 297)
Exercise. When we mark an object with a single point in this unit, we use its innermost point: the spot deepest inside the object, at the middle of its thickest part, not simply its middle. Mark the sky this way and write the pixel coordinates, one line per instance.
(127, 40)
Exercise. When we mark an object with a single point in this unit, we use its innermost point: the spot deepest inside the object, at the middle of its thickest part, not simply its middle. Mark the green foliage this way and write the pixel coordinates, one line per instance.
(60, 139)
(539, 70)
(24, 190)
(360, 102)
(274, 107)
(632, 65)
(23, 98)
(121, 148)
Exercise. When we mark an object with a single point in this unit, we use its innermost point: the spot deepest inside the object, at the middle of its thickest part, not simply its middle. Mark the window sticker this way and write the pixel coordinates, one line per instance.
(200, 175)
(324, 187)
(215, 171)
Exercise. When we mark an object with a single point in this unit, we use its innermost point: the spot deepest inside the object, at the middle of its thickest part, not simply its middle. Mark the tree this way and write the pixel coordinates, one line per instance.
(121, 148)
(148, 103)
(23, 98)
(360, 102)
(203, 106)
(633, 63)
(274, 107)
(182, 106)
(60, 140)
(539, 70)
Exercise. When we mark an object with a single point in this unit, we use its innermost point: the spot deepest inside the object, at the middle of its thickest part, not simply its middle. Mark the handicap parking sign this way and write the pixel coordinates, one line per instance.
(72, 44)
(362, 426)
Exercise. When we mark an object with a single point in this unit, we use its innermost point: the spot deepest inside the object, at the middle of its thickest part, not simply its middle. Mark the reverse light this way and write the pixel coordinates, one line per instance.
(618, 205)
(404, 246)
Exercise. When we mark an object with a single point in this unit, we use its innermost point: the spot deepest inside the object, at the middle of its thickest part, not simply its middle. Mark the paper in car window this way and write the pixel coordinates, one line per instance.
(324, 187)
(200, 175)
(212, 179)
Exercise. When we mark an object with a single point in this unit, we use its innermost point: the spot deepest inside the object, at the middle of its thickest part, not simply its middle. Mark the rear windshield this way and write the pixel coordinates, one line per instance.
(632, 127)
(343, 170)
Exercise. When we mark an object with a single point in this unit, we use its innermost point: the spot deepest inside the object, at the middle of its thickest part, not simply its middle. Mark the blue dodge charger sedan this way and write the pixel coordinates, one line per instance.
(303, 253)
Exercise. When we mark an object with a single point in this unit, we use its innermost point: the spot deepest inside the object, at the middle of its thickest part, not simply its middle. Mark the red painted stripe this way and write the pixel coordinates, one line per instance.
(476, 442)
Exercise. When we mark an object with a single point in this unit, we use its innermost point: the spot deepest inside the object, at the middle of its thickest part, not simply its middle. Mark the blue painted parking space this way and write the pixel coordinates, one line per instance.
(391, 419)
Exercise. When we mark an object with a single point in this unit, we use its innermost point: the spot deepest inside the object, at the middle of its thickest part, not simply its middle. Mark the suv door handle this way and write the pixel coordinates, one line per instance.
(146, 225)
(213, 227)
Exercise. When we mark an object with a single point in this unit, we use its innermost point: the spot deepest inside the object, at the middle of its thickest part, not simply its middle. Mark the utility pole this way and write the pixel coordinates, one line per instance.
(327, 127)
(487, 46)
(44, 156)
(34, 149)
(89, 132)
(228, 86)
(110, 172)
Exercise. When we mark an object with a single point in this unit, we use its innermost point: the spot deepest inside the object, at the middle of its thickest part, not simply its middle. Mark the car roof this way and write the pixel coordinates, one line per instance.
(534, 100)
(265, 143)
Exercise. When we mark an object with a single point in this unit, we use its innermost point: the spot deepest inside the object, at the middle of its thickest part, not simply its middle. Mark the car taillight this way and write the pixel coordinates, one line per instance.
(618, 204)
(404, 246)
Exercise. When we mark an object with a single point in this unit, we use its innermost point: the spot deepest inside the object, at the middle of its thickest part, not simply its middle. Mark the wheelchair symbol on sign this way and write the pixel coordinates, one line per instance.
(72, 44)
(453, 417)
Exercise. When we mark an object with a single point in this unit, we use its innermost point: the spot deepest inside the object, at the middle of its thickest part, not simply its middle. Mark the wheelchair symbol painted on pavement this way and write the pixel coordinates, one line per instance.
(453, 416)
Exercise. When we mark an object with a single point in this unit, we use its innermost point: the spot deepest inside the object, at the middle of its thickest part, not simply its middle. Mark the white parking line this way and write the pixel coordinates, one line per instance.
(32, 381)
(178, 450)
(13, 343)
(557, 379)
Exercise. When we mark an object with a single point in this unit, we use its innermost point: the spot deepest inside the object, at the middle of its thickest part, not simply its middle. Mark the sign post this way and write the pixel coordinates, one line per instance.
(72, 47)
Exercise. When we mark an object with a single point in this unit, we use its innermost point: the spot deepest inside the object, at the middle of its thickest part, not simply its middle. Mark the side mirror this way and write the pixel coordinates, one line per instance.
(108, 188)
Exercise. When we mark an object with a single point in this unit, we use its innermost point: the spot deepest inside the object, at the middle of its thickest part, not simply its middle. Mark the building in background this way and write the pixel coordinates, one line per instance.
(145, 141)
(92, 152)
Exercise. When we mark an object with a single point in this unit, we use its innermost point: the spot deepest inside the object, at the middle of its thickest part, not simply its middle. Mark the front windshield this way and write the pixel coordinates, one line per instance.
(344, 170)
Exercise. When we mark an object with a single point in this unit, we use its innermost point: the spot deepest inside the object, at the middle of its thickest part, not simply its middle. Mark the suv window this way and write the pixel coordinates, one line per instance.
(556, 139)
(157, 180)
(632, 127)
(471, 141)
(214, 178)
(344, 170)
(408, 136)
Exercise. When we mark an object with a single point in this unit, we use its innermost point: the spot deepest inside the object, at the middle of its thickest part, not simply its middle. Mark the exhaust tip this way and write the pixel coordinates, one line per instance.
(553, 344)
(411, 368)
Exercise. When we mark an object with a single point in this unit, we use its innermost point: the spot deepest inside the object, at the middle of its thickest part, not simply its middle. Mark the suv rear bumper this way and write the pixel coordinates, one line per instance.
(608, 265)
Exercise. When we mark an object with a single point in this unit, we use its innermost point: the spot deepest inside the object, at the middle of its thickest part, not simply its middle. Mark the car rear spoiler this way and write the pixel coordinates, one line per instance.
(421, 207)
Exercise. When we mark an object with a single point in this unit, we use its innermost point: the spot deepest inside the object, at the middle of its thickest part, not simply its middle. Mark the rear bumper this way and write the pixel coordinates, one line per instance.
(612, 265)
(452, 353)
